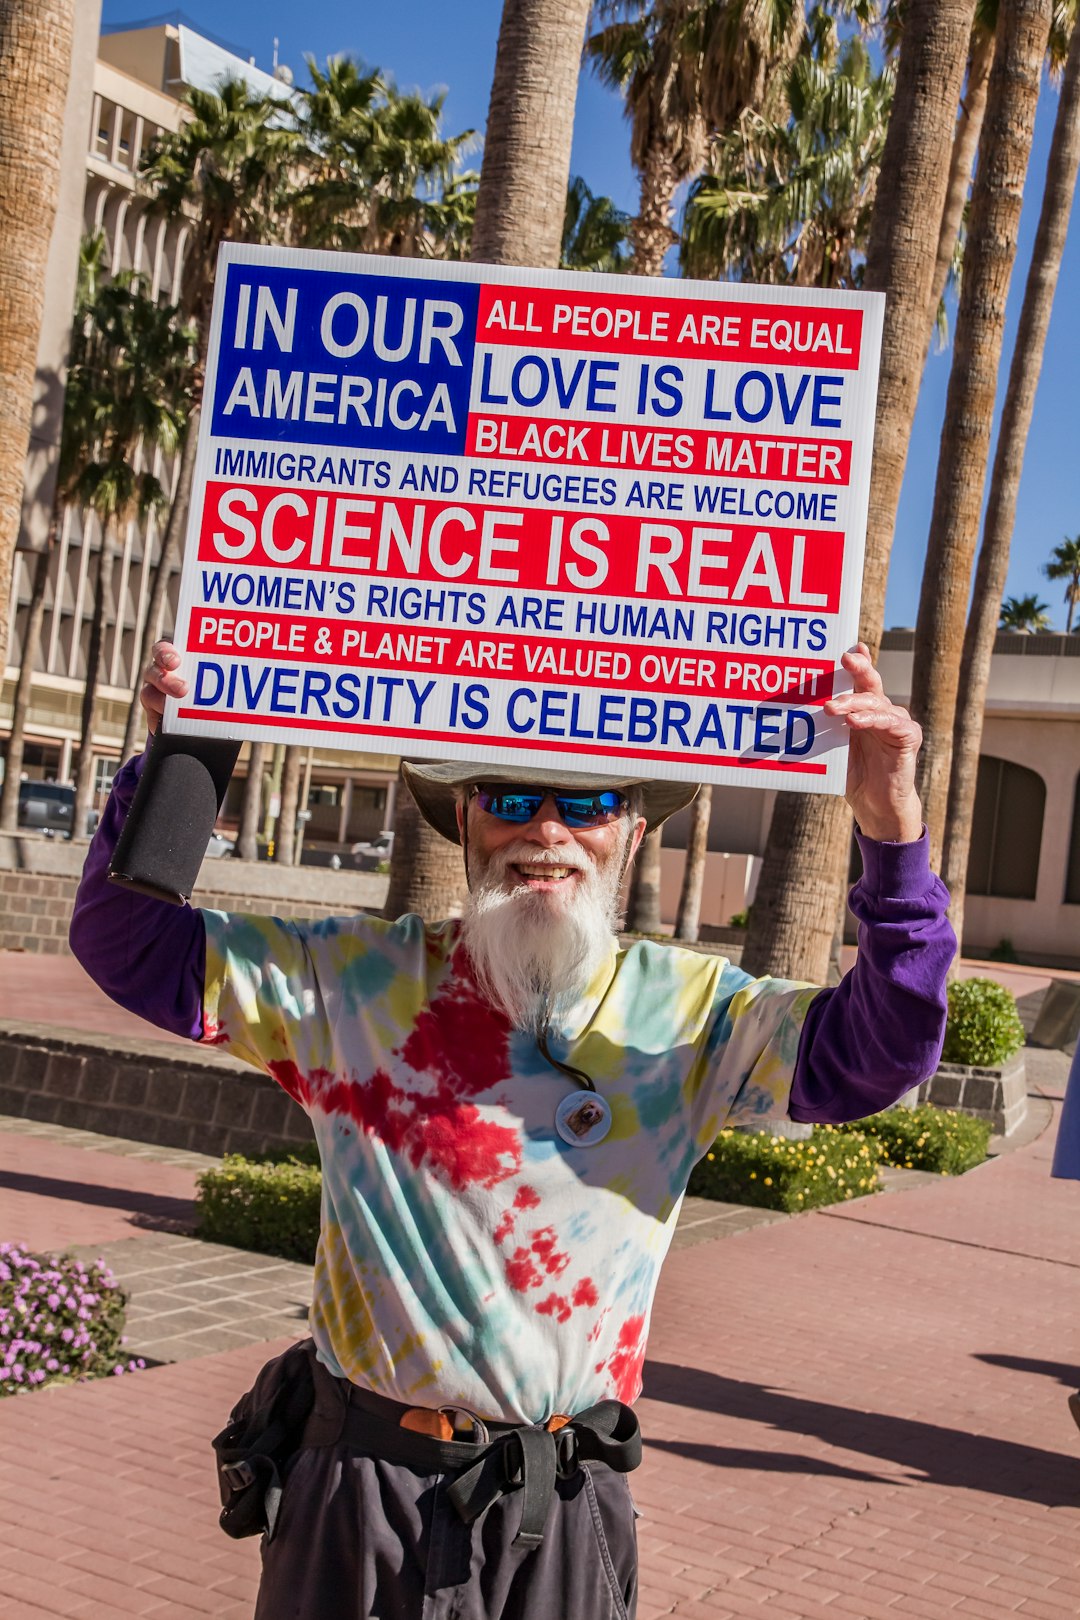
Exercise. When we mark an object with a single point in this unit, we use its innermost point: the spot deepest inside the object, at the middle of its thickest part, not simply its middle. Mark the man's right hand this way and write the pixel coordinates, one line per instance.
(161, 679)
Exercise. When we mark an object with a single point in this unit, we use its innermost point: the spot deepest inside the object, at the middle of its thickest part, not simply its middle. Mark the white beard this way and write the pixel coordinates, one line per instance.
(536, 953)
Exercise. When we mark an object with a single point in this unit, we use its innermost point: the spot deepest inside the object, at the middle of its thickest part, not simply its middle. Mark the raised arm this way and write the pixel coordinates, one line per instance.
(148, 956)
(879, 1032)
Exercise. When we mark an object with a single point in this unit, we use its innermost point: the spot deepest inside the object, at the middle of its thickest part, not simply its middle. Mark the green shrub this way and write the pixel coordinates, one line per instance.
(775, 1173)
(740, 919)
(927, 1138)
(270, 1205)
(983, 1025)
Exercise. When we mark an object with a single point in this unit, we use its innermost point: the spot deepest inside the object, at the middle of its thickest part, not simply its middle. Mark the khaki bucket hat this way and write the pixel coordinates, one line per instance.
(436, 787)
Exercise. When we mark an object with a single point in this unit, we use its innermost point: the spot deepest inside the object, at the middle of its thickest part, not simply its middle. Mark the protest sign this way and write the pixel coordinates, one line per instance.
(464, 511)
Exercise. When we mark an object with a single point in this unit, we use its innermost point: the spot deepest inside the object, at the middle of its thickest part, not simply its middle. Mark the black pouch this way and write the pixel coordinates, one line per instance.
(264, 1430)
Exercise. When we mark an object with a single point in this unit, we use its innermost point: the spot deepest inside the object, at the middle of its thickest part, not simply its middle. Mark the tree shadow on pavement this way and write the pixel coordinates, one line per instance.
(145, 1209)
(1059, 1370)
(954, 1458)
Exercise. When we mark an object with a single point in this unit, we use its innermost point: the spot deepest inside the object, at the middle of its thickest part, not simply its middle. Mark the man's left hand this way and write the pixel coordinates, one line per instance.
(884, 745)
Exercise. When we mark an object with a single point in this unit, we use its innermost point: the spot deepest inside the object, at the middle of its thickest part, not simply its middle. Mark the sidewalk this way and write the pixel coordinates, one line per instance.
(856, 1413)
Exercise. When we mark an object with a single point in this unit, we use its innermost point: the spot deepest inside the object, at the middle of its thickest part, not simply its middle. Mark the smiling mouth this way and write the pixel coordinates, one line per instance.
(541, 877)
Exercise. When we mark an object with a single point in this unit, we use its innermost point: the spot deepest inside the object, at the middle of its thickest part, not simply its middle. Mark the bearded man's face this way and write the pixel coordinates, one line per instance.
(542, 907)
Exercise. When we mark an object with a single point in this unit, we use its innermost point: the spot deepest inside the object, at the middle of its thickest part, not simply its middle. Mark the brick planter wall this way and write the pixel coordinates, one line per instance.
(999, 1095)
(39, 877)
(146, 1091)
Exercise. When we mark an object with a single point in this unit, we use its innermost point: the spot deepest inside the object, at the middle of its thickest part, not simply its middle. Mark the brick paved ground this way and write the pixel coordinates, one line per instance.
(855, 1413)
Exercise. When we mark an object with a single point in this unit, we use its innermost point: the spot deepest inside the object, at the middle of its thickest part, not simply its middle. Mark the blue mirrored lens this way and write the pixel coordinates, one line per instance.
(576, 809)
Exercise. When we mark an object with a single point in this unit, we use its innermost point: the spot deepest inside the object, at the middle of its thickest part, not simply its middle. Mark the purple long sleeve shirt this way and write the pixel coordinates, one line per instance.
(865, 1041)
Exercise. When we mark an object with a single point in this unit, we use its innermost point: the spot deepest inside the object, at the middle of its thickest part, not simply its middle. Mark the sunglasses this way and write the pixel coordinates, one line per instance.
(576, 809)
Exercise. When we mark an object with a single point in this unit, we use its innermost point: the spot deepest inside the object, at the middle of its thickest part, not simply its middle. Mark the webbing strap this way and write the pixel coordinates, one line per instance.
(529, 1459)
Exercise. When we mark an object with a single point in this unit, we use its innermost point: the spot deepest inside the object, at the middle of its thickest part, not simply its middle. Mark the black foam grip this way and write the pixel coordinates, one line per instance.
(163, 842)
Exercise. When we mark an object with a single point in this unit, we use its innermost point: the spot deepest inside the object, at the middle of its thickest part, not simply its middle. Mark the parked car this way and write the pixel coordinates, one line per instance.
(370, 853)
(47, 807)
(220, 845)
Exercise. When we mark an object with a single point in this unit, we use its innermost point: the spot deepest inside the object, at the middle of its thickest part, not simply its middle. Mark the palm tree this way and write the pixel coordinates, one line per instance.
(969, 125)
(285, 840)
(789, 199)
(35, 49)
(379, 175)
(122, 400)
(520, 209)
(1004, 151)
(1025, 614)
(685, 68)
(247, 836)
(688, 917)
(800, 888)
(226, 172)
(594, 232)
(526, 169)
(991, 570)
(1065, 559)
(73, 452)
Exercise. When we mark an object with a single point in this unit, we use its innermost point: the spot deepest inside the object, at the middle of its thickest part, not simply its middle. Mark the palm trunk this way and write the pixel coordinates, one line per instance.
(1004, 152)
(13, 760)
(247, 839)
(35, 48)
(650, 233)
(1062, 169)
(643, 901)
(170, 546)
(431, 886)
(806, 855)
(688, 918)
(285, 844)
(965, 145)
(520, 210)
(84, 772)
(521, 203)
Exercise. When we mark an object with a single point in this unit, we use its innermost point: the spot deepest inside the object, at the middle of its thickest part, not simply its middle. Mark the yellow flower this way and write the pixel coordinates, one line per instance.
(768, 1181)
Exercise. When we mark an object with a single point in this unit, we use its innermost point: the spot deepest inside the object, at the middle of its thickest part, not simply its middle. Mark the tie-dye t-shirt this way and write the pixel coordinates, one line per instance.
(468, 1255)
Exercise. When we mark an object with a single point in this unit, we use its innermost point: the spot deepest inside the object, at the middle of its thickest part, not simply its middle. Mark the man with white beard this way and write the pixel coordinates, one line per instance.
(507, 1109)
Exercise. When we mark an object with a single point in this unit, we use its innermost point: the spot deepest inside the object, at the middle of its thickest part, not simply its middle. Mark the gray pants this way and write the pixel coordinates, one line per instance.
(359, 1537)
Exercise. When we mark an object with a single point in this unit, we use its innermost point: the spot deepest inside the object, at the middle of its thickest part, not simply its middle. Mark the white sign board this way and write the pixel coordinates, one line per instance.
(460, 511)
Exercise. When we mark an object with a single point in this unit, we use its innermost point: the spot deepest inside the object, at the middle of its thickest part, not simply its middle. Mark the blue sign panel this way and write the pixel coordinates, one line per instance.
(355, 361)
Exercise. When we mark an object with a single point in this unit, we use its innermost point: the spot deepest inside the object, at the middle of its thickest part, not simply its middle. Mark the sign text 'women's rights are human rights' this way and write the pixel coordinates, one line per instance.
(467, 511)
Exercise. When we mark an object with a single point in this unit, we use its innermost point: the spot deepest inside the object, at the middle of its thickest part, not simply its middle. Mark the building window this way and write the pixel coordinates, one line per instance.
(104, 771)
(1072, 876)
(1006, 830)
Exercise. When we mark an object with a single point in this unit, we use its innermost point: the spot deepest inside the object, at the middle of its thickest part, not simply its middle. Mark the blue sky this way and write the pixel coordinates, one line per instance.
(433, 43)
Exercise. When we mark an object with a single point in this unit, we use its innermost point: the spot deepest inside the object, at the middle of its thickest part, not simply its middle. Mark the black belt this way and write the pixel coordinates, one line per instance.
(512, 1457)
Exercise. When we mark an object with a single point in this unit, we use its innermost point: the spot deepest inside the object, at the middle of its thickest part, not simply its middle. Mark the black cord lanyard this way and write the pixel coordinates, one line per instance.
(577, 1075)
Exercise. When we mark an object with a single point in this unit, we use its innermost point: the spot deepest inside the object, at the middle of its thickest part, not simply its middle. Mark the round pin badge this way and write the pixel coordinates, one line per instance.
(583, 1119)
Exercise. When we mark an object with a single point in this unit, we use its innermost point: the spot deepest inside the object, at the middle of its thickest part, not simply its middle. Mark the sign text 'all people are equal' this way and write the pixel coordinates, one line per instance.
(466, 511)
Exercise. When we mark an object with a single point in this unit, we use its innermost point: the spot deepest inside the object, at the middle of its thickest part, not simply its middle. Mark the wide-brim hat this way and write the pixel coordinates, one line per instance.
(436, 787)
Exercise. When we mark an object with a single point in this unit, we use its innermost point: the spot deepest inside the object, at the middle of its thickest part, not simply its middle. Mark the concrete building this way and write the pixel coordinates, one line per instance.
(126, 90)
